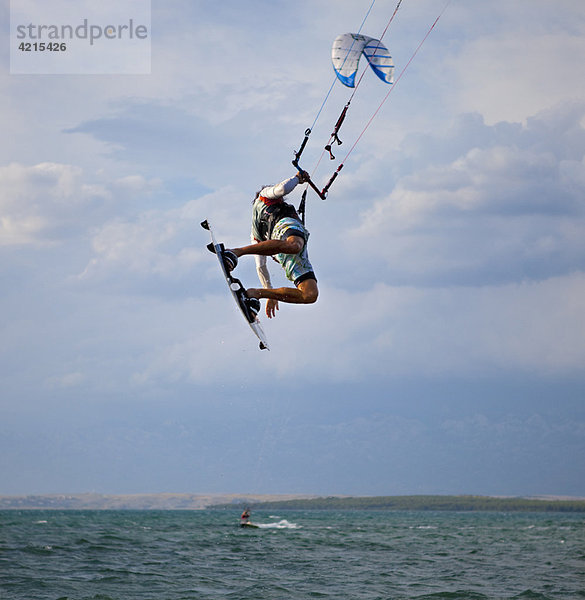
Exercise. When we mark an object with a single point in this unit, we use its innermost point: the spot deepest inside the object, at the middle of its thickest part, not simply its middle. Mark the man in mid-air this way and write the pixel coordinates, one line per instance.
(277, 231)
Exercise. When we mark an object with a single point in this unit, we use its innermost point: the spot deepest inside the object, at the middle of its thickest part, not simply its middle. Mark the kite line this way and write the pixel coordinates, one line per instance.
(381, 63)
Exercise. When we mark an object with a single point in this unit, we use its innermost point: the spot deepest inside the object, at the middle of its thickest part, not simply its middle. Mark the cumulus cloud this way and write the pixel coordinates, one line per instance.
(40, 202)
(500, 203)
(167, 243)
(384, 333)
(524, 326)
(512, 77)
(50, 202)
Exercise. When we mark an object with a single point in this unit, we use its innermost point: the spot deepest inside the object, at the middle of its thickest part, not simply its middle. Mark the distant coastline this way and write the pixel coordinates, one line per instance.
(428, 502)
(92, 501)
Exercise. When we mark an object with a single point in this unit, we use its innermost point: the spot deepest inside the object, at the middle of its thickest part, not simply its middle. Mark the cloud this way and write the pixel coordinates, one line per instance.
(40, 203)
(486, 204)
(489, 208)
(380, 334)
(392, 331)
(510, 78)
(50, 202)
(140, 133)
(69, 380)
(165, 244)
(483, 229)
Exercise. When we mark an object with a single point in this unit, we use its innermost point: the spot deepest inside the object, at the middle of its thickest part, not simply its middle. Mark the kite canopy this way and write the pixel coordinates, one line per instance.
(346, 52)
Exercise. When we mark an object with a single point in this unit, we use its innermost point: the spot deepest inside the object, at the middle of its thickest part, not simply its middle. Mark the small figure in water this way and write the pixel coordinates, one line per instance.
(278, 231)
(245, 518)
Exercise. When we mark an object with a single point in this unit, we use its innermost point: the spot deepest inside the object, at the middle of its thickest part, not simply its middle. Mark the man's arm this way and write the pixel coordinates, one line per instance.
(264, 277)
(280, 189)
(262, 270)
(284, 187)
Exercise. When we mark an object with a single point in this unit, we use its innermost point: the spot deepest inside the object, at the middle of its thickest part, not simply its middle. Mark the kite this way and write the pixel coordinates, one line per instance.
(347, 50)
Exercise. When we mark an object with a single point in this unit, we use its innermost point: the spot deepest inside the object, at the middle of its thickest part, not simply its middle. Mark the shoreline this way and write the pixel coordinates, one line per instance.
(170, 501)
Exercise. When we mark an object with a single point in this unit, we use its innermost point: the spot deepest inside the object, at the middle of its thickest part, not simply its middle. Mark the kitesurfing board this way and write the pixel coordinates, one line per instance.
(238, 291)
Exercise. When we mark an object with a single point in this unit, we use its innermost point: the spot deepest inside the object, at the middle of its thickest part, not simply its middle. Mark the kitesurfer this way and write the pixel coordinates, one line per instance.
(278, 231)
(245, 518)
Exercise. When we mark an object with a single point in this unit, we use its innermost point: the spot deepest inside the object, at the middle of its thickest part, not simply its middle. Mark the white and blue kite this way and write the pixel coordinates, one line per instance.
(346, 52)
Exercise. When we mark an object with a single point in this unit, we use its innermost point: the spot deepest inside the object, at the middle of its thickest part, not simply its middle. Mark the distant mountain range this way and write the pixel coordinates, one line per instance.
(92, 501)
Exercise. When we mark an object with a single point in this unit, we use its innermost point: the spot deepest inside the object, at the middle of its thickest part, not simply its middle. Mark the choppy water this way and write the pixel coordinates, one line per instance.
(174, 555)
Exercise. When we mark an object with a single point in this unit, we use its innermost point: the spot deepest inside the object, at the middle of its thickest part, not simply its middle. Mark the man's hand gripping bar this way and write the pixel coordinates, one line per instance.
(307, 178)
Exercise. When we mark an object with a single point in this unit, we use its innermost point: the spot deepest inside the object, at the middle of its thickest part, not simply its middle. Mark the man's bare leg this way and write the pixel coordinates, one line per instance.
(306, 292)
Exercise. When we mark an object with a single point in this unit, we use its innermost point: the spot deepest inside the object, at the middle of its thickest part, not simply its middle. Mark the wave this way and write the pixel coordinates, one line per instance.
(282, 524)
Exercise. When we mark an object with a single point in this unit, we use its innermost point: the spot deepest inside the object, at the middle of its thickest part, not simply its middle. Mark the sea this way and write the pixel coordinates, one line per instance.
(349, 555)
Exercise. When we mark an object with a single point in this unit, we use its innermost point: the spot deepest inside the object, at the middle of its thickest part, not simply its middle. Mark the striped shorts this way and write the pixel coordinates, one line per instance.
(296, 267)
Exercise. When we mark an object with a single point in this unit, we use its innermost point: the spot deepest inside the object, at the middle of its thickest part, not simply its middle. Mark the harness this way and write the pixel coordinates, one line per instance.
(275, 211)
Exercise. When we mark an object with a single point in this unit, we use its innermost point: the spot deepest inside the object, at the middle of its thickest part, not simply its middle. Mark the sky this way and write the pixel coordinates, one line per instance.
(446, 352)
